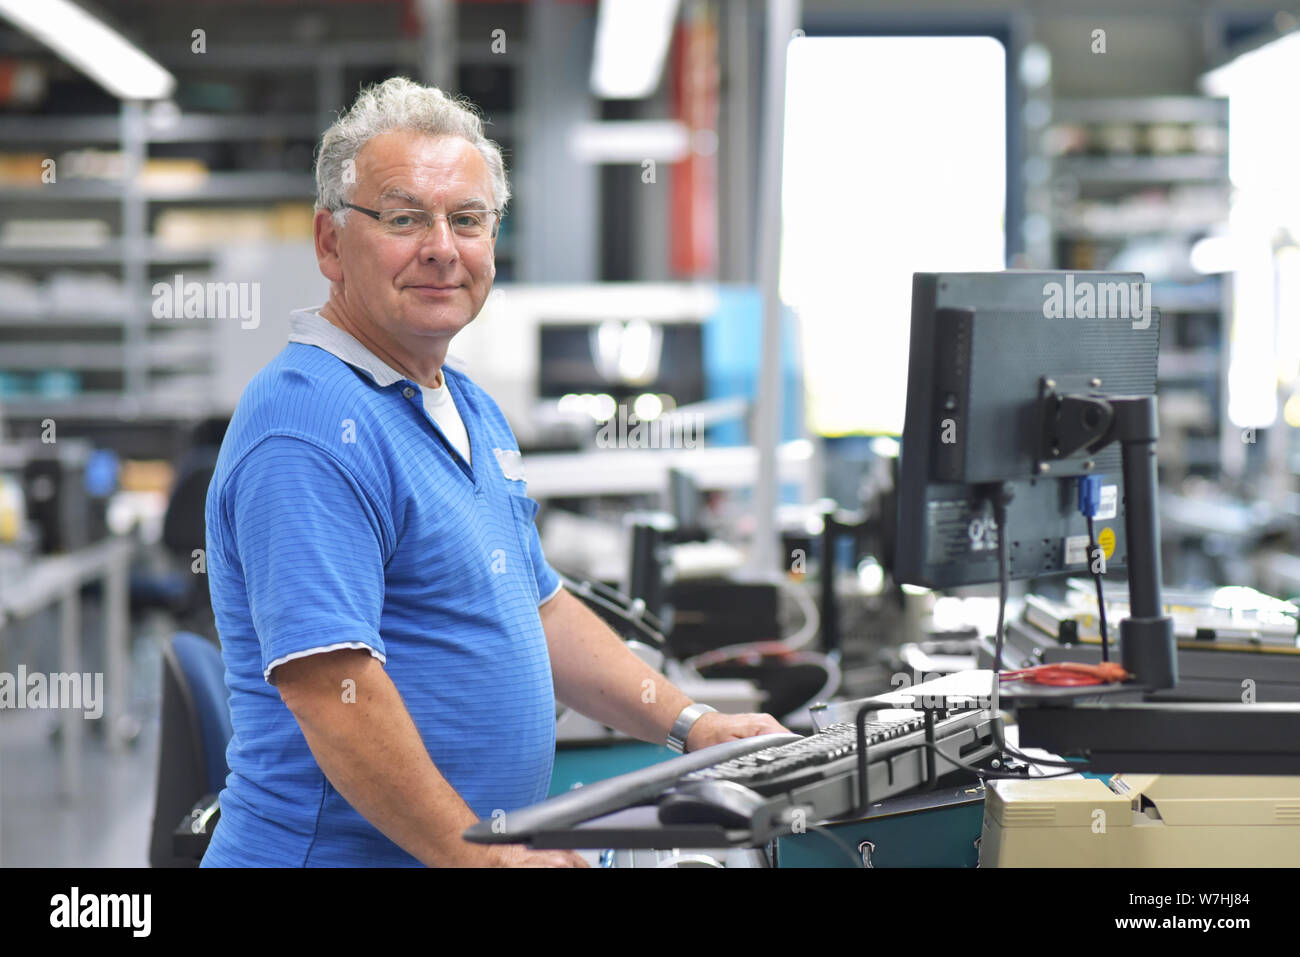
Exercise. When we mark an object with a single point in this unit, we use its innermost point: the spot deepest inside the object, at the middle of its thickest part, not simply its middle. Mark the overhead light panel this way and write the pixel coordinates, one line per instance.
(92, 46)
(631, 43)
(629, 141)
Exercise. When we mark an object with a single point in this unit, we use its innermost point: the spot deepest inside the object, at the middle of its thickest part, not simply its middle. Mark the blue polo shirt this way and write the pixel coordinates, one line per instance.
(339, 516)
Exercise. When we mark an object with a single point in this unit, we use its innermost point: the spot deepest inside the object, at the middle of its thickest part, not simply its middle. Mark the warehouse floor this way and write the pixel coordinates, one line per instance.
(107, 822)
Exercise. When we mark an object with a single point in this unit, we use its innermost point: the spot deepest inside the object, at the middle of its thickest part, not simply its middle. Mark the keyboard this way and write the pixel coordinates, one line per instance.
(757, 783)
(830, 751)
(819, 773)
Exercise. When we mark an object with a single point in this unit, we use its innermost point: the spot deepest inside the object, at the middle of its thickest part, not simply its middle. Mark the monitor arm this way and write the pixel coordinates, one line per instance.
(1074, 422)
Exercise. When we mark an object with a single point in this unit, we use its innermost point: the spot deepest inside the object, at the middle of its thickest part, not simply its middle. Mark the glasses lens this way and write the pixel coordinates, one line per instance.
(466, 223)
(472, 223)
(405, 222)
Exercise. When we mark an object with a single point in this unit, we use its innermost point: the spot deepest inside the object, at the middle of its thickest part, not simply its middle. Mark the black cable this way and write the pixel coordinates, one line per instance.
(584, 591)
(980, 772)
(621, 599)
(1000, 498)
(1093, 549)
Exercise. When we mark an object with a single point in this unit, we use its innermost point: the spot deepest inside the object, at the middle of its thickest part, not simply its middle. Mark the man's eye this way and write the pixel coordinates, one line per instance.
(467, 220)
(402, 221)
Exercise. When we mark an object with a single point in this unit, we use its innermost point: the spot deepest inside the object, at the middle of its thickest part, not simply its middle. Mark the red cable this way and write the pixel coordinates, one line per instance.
(1071, 674)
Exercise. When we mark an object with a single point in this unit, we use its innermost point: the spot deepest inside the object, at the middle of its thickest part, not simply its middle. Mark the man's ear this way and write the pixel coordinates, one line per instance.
(327, 245)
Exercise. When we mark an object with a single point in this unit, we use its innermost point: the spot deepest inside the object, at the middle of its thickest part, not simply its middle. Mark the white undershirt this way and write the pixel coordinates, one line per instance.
(442, 407)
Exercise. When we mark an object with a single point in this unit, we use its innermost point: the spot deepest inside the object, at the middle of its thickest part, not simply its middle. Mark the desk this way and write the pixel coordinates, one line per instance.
(59, 579)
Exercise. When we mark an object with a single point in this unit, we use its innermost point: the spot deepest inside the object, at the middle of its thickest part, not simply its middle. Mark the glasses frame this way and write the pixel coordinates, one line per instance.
(376, 213)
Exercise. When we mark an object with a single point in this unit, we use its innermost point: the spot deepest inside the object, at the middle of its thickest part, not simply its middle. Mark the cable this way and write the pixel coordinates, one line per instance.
(980, 772)
(637, 619)
(812, 619)
(1070, 674)
(1093, 550)
(790, 649)
(1000, 498)
(625, 601)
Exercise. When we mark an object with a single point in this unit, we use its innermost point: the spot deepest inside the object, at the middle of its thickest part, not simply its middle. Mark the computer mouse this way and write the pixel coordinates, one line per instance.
(724, 803)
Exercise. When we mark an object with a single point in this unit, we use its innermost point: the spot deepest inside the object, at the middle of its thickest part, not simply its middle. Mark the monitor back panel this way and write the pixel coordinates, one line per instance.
(981, 344)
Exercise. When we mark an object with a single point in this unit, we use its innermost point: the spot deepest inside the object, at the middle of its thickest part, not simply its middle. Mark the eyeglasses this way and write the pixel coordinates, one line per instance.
(409, 223)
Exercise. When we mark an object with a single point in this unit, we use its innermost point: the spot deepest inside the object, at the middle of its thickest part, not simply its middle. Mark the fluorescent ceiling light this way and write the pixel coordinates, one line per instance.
(630, 141)
(92, 47)
(631, 42)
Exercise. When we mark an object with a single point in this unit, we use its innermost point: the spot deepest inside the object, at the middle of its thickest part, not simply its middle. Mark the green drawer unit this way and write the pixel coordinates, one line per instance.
(938, 828)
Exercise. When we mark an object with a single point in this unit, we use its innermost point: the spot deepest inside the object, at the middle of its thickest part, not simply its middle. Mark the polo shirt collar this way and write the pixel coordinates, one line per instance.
(310, 328)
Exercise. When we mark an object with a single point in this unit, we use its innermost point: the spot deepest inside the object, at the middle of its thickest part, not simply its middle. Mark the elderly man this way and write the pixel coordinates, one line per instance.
(394, 638)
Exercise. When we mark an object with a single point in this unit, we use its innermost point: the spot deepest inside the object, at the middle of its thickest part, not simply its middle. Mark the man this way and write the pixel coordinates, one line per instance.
(394, 639)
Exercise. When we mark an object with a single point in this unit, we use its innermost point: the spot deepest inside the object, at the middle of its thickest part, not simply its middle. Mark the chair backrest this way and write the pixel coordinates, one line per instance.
(195, 732)
(205, 673)
(183, 523)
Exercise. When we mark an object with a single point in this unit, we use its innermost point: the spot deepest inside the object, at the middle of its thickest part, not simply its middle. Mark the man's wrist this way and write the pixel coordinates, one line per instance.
(681, 728)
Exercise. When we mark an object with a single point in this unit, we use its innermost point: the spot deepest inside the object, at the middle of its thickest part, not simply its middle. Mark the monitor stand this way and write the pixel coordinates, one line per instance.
(1144, 736)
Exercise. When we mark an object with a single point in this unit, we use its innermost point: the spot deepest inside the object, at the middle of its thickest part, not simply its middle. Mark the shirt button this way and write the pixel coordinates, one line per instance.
(408, 392)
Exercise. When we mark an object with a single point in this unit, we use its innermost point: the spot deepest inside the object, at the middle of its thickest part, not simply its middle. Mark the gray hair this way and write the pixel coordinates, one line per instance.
(397, 104)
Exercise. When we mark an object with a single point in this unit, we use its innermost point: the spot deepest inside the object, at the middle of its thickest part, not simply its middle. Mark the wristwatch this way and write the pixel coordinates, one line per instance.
(682, 726)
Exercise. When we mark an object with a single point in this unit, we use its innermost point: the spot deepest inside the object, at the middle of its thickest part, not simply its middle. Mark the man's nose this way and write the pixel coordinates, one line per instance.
(439, 244)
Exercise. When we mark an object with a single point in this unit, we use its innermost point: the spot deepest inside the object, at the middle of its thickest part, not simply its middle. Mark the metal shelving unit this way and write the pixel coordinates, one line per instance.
(1102, 204)
(119, 353)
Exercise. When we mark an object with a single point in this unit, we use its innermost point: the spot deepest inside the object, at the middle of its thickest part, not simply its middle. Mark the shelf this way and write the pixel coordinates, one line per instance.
(99, 356)
(222, 127)
(81, 190)
(106, 405)
(1197, 363)
(41, 356)
(1142, 109)
(215, 187)
(108, 253)
(1074, 231)
(237, 186)
(1205, 296)
(113, 252)
(61, 317)
(1143, 169)
(73, 130)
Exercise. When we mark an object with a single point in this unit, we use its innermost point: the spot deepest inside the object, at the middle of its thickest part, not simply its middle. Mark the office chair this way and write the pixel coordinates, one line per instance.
(192, 752)
(179, 590)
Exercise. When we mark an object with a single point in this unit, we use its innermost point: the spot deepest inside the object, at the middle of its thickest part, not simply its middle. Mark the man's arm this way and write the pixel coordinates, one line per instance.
(372, 753)
(596, 674)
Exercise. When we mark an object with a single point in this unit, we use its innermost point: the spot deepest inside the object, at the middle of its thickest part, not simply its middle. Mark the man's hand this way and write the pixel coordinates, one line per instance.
(715, 727)
(516, 855)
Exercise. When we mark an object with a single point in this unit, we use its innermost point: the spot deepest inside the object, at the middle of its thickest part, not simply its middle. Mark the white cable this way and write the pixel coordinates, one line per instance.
(812, 617)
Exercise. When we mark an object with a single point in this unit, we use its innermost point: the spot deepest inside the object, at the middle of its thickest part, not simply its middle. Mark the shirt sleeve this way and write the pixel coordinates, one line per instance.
(548, 582)
(310, 547)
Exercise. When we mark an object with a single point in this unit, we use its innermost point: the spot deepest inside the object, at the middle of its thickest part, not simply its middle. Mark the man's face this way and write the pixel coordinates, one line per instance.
(422, 286)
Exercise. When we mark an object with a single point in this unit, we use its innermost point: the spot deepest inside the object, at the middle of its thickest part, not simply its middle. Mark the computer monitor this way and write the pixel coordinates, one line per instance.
(572, 361)
(1021, 385)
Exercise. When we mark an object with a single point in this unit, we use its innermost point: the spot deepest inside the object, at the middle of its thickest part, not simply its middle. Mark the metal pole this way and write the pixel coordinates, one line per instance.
(117, 661)
(438, 43)
(782, 19)
(70, 664)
